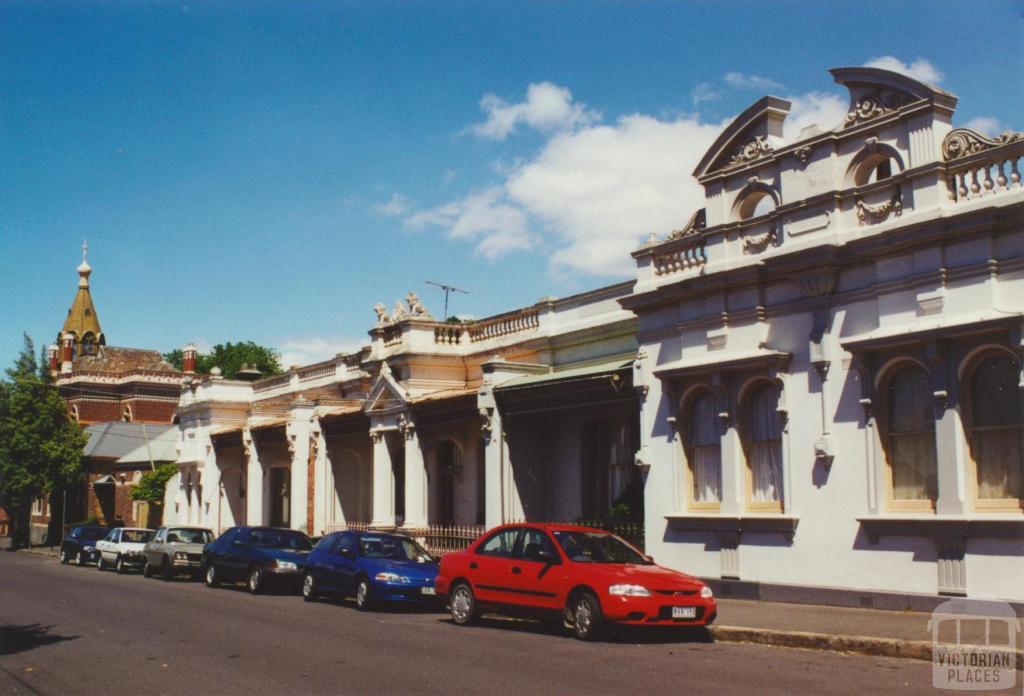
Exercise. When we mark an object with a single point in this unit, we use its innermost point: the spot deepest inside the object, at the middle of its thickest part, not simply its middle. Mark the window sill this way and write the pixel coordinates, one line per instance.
(998, 526)
(736, 523)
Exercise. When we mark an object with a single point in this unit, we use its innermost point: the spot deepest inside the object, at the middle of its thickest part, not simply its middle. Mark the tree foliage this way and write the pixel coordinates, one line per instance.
(40, 446)
(152, 484)
(230, 357)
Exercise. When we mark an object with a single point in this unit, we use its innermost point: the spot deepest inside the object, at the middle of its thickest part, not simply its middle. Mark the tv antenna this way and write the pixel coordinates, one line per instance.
(447, 290)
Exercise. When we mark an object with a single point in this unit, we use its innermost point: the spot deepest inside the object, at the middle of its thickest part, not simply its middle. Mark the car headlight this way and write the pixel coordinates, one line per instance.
(390, 577)
(90, 549)
(625, 590)
(706, 592)
(180, 556)
(286, 565)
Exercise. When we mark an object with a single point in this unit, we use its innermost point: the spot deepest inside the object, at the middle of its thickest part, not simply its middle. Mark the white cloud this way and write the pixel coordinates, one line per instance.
(825, 109)
(751, 81)
(309, 350)
(986, 125)
(547, 108)
(396, 205)
(591, 196)
(921, 69)
(484, 216)
(704, 92)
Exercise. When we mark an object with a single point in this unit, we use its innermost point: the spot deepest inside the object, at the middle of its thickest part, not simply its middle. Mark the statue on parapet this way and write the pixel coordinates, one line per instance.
(416, 307)
(382, 313)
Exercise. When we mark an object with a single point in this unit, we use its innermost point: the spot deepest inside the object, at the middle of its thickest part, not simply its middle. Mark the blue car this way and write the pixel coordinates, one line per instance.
(374, 567)
(80, 544)
(257, 556)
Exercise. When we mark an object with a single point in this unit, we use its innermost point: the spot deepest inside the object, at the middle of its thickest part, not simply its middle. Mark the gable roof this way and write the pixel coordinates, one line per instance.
(116, 439)
(118, 360)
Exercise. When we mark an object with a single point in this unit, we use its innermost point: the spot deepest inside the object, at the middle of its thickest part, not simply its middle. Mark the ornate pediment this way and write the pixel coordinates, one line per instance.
(387, 394)
(753, 150)
(696, 225)
(963, 142)
(875, 104)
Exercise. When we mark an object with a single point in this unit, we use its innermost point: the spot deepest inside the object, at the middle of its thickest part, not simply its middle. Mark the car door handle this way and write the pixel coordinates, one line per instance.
(516, 570)
(472, 566)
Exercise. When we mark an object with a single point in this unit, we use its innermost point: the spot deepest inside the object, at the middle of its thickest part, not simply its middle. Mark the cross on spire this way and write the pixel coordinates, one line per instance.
(85, 249)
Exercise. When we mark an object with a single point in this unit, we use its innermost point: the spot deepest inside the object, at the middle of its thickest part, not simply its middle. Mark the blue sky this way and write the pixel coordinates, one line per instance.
(271, 170)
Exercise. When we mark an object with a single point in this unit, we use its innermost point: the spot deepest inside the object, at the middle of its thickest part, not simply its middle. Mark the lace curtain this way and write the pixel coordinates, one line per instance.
(704, 450)
(765, 446)
(997, 433)
(911, 436)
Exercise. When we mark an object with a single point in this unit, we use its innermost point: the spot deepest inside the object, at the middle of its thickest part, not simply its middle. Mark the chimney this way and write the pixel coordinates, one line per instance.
(52, 351)
(188, 362)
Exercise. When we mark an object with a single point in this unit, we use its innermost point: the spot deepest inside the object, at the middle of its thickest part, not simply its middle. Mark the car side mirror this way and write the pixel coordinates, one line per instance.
(650, 559)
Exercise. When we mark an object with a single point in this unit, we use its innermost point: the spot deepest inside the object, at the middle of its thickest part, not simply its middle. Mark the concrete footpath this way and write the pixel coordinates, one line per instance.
(811, 626)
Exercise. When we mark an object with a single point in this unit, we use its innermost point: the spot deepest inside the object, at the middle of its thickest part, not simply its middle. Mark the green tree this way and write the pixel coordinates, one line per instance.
(152, 484)
(40, 446)
(230, 357)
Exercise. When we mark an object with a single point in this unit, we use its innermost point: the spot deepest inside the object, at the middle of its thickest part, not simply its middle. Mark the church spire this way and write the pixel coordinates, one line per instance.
(82, 325)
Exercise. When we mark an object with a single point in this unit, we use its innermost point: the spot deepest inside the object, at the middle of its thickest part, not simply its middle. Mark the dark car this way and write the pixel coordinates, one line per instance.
(80, 543)
(373, 567)
(257, 556)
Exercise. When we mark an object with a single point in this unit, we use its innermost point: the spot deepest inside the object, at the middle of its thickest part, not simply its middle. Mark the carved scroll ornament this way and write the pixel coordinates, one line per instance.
(875, 104)
(754, 150)
(696, 225)
(963, 142)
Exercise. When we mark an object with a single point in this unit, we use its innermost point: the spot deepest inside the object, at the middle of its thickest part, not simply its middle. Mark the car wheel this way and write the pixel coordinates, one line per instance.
(119, 566)
(363, 601)
(211, 576)
(100, 565)
(147, 569)
(310, 592)
(462, 605)
(255, 579)
(587, 619)
(64, 556)
(165, 569)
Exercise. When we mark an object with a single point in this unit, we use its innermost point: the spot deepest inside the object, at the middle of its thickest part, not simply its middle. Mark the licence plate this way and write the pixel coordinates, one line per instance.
(684, 612)
(428, 591)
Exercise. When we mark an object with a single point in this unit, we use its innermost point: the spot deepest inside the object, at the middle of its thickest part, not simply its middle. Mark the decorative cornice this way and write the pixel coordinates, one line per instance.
(875, 104)
(753, 150)
(964, 142)
(696, 225)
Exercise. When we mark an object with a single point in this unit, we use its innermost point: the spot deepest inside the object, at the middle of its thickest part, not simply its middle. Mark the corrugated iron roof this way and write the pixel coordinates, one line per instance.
(115, 439)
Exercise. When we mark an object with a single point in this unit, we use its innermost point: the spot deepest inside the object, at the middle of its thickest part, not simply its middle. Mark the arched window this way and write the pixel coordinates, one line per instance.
(88, 344)
(997, 432)
(763, 446)
(702, 441)
(876, 162)
(910, 439)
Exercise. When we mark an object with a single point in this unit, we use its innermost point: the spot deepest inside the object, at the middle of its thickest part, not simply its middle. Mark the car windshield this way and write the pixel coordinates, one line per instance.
(394, 548)
(135, 536)
(598, 547)
(189, 536)
(280, 539)
(93, 533)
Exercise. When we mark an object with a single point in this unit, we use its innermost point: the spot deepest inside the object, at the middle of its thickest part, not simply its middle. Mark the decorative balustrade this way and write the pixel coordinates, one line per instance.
(392, 335)
(504, 325)
(680, 255)
(272, 382)
(448, 335)
(978, 166)
(316, 371)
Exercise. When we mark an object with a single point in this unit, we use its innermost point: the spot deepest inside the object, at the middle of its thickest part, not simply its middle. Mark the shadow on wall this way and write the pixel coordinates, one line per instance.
(17, 639)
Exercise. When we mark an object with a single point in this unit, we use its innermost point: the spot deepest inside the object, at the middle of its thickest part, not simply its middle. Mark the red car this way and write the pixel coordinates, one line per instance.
(588, 576)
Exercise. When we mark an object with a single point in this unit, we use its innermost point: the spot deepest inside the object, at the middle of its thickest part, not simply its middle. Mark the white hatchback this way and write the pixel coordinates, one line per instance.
(122, 548)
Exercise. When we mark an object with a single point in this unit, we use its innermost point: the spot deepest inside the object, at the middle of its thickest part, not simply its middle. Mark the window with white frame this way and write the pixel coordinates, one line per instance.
(762, 428)
(702, 443)
(996, 432)
(910, 439)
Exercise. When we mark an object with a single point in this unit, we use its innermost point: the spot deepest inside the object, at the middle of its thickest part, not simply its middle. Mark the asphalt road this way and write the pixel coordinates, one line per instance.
(66, 630)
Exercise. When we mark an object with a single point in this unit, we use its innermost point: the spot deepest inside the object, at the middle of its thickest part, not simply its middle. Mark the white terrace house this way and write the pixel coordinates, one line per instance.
(524, 415)
(831, 356)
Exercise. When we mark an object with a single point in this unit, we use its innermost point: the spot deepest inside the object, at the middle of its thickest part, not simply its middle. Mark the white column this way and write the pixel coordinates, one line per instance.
(501, 496)
(323, 501)
(253, 481)
(298, 433)
(383, 482)
(416, 489)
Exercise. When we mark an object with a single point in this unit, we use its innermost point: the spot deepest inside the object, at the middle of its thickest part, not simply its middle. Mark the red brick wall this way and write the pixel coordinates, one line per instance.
(112, 500)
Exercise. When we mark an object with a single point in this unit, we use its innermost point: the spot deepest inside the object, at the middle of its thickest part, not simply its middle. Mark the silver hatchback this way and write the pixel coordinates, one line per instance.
(175, 550)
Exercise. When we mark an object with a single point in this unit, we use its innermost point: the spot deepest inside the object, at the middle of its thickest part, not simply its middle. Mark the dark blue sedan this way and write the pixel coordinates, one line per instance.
(80, 543)
(373, 567)
(257, 556)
